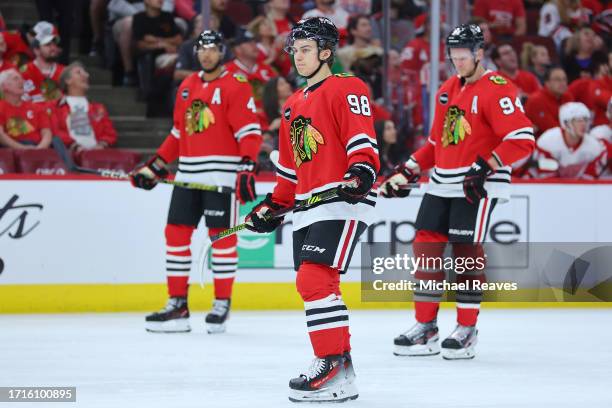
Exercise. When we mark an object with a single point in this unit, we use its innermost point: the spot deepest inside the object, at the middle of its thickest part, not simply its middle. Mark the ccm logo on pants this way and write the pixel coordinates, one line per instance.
(313, 248)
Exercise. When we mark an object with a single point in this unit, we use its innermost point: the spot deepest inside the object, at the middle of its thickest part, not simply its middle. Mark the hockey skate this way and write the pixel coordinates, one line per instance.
(215, 320)
(459, 345)
(349, 370)
(420, 340)
(173, 318)
(325, 381)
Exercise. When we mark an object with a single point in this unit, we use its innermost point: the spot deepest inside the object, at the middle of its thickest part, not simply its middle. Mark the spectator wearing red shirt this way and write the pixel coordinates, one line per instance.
(600, 91)
(595, 92)
(245, 49)
(542, 107)
(23, 124)
(270, 45)
(506, 60)
(506, 17)
(17, 50)
(4, 63)
(416, 53)
(278, 12)
(79, 123)
(41, 76)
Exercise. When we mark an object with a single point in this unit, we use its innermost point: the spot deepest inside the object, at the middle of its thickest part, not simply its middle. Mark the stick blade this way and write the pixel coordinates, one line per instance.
(203, 259)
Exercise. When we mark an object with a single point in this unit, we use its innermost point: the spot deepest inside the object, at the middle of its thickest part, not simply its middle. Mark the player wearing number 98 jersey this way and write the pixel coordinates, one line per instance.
(479, 131)
(326, 142)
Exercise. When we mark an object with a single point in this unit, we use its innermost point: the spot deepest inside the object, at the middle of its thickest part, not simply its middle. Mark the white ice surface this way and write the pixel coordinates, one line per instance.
(526, 358)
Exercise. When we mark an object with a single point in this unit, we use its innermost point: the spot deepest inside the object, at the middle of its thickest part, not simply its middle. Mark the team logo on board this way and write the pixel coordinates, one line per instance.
(305, 140)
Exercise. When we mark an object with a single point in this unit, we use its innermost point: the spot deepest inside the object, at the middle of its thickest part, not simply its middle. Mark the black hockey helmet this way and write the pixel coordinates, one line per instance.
(468, 36)
(208, 37)
(319, 29)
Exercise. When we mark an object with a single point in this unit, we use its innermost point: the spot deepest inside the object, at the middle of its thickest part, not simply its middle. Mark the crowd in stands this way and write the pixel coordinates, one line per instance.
(555, 51)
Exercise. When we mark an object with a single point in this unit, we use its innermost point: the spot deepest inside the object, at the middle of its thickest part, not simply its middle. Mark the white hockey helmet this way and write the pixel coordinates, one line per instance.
(573, 110)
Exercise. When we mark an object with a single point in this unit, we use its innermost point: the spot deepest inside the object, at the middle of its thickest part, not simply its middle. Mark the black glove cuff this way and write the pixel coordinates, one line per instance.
(248, 165)
(363, 168)
(158, 166)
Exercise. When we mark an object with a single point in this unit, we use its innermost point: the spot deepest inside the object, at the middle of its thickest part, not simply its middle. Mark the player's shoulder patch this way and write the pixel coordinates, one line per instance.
(498, 79)
(240, 78)
(344, 75)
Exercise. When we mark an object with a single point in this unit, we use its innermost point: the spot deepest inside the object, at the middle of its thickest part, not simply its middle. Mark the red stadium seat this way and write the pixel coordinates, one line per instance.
(108, 159)
(40, 161)
(7, 161)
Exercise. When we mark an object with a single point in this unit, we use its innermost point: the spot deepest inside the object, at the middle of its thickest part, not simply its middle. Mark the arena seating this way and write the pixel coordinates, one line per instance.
(39, 161)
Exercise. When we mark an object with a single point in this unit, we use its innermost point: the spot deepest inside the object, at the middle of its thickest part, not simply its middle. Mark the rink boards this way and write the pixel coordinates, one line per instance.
(98, 245)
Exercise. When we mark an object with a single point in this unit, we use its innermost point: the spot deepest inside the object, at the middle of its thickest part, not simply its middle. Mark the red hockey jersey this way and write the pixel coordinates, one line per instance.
(588, 160)
(215, 126)
(38, 86)
(258, 76)
(483, 118)
(325, 129)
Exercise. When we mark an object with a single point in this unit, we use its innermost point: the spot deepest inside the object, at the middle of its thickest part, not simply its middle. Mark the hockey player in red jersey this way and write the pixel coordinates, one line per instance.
(479, 130)
(216, 138)
(326, 138)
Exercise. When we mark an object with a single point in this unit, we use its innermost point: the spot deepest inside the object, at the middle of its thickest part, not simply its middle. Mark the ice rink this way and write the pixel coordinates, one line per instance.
(526, 358)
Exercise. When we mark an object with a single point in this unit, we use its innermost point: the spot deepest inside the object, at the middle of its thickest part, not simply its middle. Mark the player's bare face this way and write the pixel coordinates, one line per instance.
(463, 61)
(306, 56)
(579, 127)
(209, 56)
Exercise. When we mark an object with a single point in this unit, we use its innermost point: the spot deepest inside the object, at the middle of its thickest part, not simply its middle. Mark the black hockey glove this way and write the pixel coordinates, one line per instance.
(145, 177)
(245, 181)
(259, 219)
(405, 173)
(360, 178)
(473, 183)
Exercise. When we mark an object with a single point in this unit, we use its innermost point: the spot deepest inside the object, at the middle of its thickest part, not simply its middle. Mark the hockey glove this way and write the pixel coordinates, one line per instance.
(245, 181)
(360, 178)
(145, 177)
(260, 220)
(473, 183)
(405, 173)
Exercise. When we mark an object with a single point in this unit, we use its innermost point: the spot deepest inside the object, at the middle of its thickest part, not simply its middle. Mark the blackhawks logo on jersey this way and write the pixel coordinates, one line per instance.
(17, 126)
(456, 126)
(498, 80)
(305, 140)
(198, 117)
(49, 89)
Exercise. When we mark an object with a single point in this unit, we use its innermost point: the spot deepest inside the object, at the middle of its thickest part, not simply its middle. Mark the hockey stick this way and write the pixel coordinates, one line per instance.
(301, 205)
(60, 148)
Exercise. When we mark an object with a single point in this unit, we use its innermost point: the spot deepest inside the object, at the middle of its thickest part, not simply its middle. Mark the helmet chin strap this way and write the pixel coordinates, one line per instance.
(316, 71)
(213, 69)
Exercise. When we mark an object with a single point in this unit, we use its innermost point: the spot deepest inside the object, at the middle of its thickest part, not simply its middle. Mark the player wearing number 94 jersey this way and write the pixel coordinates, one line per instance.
(479, 131)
